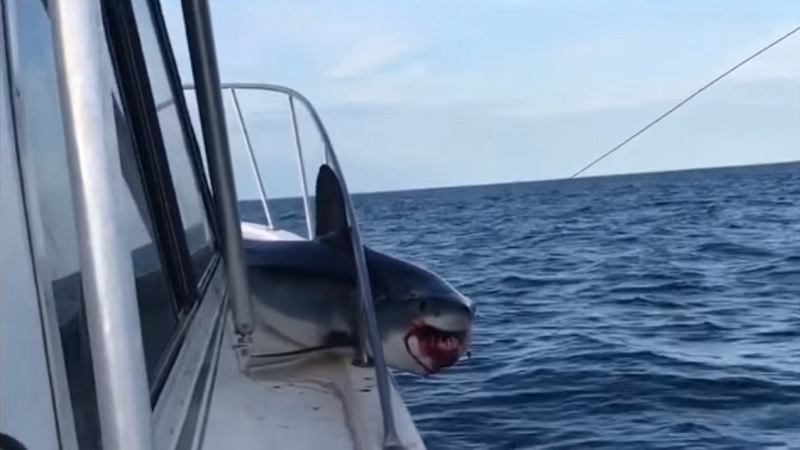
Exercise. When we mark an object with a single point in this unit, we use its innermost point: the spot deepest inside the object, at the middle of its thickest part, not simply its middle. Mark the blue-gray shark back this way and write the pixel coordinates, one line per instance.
(307, 291)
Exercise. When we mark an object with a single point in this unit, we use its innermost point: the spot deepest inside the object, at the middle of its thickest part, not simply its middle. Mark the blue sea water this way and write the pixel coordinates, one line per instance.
(657, 311)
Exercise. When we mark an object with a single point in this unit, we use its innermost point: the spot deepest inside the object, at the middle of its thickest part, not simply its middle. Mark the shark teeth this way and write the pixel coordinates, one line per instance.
(442, 348)
(436, 340)
(449, 343)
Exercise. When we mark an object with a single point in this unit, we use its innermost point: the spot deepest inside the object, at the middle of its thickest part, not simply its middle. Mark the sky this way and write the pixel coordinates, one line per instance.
(443, 92)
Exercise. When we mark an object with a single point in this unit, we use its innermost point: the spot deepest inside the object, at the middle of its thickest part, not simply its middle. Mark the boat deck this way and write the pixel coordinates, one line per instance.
(320, 401)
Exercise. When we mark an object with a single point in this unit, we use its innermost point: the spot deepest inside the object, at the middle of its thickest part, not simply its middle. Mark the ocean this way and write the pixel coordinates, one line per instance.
(655, 311)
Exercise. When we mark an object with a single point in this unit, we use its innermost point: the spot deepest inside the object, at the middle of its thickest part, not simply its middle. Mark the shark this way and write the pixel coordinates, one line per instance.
(307, 291)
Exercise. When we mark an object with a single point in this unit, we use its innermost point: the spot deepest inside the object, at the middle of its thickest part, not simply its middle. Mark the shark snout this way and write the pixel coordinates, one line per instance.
(468, 307)
(450, 314)
(458, 309)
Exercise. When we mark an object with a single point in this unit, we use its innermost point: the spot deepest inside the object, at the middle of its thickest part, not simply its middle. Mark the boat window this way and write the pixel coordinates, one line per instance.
(49, 206)
(186, 180)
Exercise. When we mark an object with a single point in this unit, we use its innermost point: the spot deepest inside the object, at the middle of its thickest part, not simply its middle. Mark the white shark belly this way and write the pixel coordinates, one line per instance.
(305, 313)
(303, 332)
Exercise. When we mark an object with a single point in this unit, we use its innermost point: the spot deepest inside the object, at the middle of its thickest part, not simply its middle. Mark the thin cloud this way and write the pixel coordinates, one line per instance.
(410, 83)
(369, 55)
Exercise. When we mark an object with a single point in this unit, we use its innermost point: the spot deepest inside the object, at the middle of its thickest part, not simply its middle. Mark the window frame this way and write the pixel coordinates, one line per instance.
(184, 118)
(171, 66)
(127, 55)
(127, 58)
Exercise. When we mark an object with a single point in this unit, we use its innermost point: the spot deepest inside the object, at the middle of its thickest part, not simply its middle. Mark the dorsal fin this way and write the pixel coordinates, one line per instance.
(331, 214)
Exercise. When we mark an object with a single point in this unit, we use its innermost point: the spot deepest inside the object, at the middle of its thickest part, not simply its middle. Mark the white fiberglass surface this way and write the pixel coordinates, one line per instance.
(319, 402)
(257, 231)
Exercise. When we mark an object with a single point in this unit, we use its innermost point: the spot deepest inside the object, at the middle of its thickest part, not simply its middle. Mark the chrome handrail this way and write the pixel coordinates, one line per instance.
(368, 333)
(256, 173)
(298, 146)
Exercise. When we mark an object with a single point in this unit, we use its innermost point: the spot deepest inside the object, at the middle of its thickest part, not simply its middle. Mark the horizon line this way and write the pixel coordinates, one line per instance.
(545, 180)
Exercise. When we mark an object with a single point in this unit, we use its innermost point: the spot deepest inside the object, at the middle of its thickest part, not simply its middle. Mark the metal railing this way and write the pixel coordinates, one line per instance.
(290, 95)
(368, 334)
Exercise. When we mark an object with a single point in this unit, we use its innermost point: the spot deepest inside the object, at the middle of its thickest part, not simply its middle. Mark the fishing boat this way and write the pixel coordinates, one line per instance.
(125, 315)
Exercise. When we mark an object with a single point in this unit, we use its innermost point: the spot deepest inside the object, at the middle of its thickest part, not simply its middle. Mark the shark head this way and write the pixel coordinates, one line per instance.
(424, 322)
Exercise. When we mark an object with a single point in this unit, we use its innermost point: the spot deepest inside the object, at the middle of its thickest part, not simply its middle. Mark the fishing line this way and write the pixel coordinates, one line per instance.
(684, 101)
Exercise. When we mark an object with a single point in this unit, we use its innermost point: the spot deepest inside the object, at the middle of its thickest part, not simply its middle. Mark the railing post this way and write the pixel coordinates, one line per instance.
(253, 163)
(200, 38)
(302, 167)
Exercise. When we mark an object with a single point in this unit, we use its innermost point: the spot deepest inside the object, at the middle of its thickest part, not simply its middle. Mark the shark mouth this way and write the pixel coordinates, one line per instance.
(442, 347)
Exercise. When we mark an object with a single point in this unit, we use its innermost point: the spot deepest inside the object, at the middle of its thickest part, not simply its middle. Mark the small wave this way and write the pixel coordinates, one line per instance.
(647, 302)
(583, 355)
(672, 287)
(758, 269)
(705, 331)
(733, 249)
(576, 340)
(521, 281)
(782, 334)
(671, 202)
